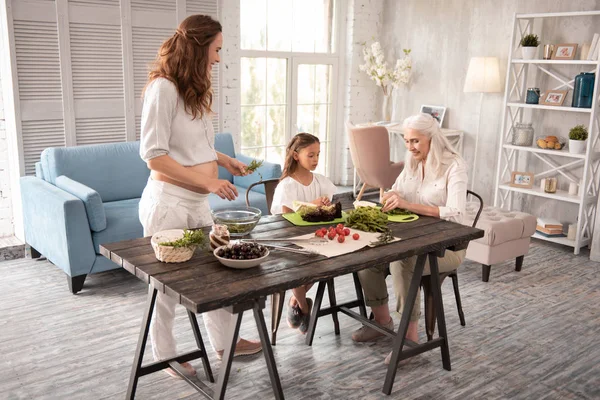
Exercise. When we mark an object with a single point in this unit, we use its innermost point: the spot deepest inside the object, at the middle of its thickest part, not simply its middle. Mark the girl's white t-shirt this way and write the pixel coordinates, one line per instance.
(290, 189)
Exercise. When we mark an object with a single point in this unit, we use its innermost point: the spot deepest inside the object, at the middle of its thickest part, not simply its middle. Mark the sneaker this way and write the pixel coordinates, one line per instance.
(368, 334)
(188, 370)
(306, 317)
(294, 316)
(243, 348)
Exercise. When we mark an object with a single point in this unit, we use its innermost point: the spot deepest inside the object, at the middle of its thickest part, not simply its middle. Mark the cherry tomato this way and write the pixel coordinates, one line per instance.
(324, 231)
(340, 226)
(341, 238)
(339, 231)
(331, 235)
(356, 236)
(346, 232)
(319, 234)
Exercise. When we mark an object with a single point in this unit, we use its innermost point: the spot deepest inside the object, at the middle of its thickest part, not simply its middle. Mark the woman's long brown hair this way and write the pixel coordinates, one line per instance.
(183, 59)
(297, 143)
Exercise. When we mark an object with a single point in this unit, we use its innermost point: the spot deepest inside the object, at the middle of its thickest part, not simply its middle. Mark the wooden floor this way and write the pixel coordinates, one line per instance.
(530, 335)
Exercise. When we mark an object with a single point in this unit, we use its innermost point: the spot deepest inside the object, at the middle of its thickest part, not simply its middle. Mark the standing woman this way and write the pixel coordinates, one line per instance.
(177, 143)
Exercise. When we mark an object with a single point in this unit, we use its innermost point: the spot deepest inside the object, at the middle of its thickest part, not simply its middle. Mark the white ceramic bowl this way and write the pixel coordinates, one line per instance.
(239, 264)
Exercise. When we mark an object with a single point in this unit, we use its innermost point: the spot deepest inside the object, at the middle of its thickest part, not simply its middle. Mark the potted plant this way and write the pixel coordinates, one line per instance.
(577, 137)
(529, 44)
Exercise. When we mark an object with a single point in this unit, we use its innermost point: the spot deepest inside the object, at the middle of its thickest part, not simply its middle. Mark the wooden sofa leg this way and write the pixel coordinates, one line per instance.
(33, 253)
(519, 263)
(76, 283)
(485, 272)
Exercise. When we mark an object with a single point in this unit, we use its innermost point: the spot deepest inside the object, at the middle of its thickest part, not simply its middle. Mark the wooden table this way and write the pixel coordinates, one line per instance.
(203, 284)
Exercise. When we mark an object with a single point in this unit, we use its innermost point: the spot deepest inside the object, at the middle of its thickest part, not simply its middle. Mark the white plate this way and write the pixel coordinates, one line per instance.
(168, 235)
(239, 264)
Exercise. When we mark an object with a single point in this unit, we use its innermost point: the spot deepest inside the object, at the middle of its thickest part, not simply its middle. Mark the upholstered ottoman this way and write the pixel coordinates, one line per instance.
(507, 235)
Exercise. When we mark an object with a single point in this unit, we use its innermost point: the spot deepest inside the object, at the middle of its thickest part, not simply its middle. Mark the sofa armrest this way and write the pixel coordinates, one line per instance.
(91, 200)
(56, 225)
(267, 170)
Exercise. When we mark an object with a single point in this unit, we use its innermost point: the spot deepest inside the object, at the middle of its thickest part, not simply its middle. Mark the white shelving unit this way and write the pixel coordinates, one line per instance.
(555, 163)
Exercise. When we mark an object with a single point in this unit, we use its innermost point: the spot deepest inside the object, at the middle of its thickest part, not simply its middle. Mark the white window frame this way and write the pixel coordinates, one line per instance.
(335, 59)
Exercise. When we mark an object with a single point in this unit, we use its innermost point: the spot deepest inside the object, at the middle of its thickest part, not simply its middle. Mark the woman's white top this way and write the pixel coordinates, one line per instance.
(168, 129)
(290, 189)
(448, 191)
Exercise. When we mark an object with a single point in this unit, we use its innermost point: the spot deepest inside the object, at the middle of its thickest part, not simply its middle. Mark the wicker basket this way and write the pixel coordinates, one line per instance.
(171, 254)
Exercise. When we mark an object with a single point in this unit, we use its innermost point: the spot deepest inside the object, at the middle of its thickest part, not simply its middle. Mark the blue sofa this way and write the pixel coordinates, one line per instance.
(84, 196)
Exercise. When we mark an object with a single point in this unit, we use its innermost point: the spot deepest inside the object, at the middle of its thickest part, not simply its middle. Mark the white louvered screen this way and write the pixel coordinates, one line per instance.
(146, 42)
(97, 61)
(72, 83)
(154, 5)
(38, 135)
(38, 64)
(138, 127)
(100, 130)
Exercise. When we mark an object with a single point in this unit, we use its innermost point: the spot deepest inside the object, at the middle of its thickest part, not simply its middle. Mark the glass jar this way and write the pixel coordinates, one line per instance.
(533, 96)
(550, 185)
(522, 134)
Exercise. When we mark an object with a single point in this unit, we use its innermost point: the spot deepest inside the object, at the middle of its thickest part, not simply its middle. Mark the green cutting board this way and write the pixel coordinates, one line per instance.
(402, 218)
(297, 220)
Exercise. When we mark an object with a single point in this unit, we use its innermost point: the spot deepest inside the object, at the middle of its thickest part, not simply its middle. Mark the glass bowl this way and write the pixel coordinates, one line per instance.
(239, 221)
(550, 142)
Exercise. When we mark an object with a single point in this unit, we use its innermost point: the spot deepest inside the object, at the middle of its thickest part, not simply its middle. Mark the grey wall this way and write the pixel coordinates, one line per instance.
(443, 36)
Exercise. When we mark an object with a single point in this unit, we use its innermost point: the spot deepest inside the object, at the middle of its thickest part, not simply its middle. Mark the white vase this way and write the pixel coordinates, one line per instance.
(528, 52)
(577, 146)
(386, 108)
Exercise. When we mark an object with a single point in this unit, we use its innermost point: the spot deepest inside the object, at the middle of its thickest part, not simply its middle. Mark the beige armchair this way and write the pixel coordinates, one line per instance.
(370, 152)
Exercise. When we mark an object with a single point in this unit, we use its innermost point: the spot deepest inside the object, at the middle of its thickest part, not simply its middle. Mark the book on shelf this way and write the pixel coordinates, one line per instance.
(550, 236)
(549, 223)
(549, 232)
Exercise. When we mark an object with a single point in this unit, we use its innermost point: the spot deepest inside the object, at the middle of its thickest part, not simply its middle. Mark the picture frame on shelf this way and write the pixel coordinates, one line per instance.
(522, 180)
(564, 51)
(553, 98)
(436, 112)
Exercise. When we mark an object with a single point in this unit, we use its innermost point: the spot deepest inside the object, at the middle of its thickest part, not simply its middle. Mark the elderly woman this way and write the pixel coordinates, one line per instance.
(433, 183)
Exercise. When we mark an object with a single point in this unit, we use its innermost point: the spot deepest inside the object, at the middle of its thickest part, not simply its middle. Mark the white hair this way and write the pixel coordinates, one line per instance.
(439, 147)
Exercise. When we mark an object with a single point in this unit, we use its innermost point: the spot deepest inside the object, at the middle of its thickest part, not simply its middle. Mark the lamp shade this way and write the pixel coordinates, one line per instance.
(483, 75)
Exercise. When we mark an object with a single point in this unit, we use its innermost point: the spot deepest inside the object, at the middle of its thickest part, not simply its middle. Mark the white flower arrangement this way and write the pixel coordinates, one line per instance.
(376, 67)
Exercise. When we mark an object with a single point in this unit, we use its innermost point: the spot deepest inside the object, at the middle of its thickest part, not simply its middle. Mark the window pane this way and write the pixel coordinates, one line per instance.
(276, 126)
(276, 155)
(322, 84)
(313, 26)
(306, 84)
(253, 125)
(258, 154)
(322, 122)
(254, 72)
(253, 24)
(276, 81)
(305, 119)
(279, 18)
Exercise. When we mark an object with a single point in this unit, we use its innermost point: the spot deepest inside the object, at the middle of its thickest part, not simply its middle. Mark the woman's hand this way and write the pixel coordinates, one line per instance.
(236, 167)
(321, 201)
(222, 188)
(393, 200)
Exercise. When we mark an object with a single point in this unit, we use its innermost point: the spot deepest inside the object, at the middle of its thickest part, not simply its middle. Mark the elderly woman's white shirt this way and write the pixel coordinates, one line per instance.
(448, 190)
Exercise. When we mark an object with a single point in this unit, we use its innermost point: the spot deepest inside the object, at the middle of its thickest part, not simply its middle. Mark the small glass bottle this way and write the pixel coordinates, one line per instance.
(533, 96)
(219, 236)
(550, 185)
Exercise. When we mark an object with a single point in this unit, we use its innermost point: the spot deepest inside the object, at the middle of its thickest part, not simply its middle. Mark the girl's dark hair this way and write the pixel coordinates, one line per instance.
(297, 143)
(183, 59)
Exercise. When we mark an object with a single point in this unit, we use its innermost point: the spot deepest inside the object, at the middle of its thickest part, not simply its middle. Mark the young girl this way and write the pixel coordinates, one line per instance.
(177, 144)
(299, 183)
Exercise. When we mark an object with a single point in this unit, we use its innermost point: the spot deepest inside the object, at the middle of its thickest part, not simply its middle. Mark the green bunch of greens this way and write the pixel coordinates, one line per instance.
(578, 132)
(254, 165)
(384, 238)
(368, 219)
(190, 238)
(398, 211)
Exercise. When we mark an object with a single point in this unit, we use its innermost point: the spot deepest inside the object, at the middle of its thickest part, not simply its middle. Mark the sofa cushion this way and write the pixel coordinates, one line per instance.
(500, 225)
(267, 171)
(114, 170)
(91, 200)
(224, 144)
(122, 223)
(256, 199)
